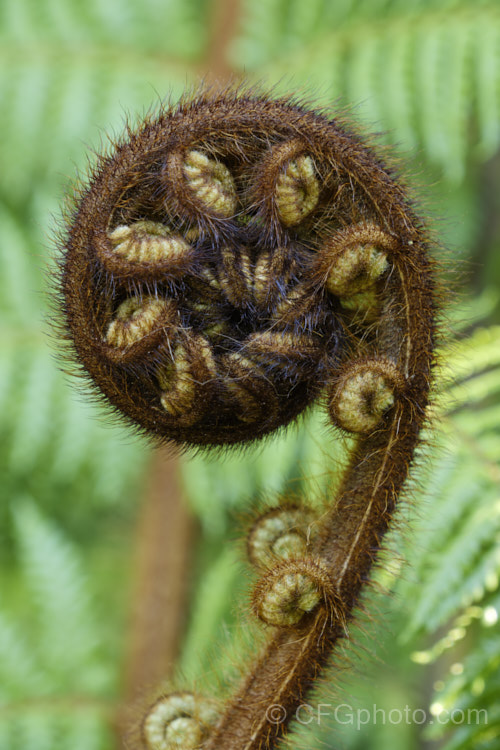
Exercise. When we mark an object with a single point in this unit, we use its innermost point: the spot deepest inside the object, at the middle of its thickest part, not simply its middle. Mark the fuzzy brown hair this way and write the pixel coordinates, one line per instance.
(231, 261)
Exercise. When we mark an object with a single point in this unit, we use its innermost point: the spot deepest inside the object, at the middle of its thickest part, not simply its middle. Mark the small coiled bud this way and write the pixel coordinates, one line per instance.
(281, 533)
(179, 721)
(138, 324)
(143, 250)
(352, 263)
(196, 183)
(192, 368)
(286, 185)
(211, 182)
(297, 191)
(290, 590)
(364, 393)
(147, 242)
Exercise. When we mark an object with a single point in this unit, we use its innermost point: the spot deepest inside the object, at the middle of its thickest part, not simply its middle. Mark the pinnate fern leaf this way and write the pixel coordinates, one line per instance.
(55, 678)
(428, 73)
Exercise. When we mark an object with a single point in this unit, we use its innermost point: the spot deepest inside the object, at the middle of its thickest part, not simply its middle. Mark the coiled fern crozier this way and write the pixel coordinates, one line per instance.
(234, 260)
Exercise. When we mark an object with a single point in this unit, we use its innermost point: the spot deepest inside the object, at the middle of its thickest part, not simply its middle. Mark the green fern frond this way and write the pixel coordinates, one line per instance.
(18, 276)
(471, 356)
(68, 68)
(469, 699)
(54, 674)
(455, 553)
(148, 25)
(45, 726)
(414, 68)
(59, 594)
(456, 576)
(49, 438)
(19, 671)
(54, 104)
(461, 532)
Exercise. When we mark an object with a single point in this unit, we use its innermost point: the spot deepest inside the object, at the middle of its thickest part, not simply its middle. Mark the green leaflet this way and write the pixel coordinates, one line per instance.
(53, 674)
(68, 69)
(427, 73)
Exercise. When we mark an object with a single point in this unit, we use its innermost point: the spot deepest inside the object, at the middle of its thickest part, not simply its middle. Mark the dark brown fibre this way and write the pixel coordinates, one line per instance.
(229, 263)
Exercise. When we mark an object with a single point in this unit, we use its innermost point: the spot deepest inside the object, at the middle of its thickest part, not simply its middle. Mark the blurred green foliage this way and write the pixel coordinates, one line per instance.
(424, 73)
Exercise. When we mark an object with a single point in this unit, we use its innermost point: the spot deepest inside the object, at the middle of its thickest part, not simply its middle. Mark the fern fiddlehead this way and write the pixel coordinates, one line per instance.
(231, 262)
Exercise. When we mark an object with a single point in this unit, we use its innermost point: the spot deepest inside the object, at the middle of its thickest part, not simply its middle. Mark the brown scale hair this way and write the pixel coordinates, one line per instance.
(230, 262)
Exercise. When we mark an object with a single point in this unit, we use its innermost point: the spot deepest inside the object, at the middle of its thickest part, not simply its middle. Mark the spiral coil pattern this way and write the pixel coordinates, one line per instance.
(207, 295)
(178, 721)
(229, 263)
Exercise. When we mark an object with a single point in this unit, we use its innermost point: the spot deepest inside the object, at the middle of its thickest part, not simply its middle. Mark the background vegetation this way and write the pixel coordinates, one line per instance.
(424, 73)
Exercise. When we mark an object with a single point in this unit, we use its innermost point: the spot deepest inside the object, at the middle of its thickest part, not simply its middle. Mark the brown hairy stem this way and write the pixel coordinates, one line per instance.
(350, 537)
(233, 261)
(225, 18)
(164, 540)
(165, 534)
